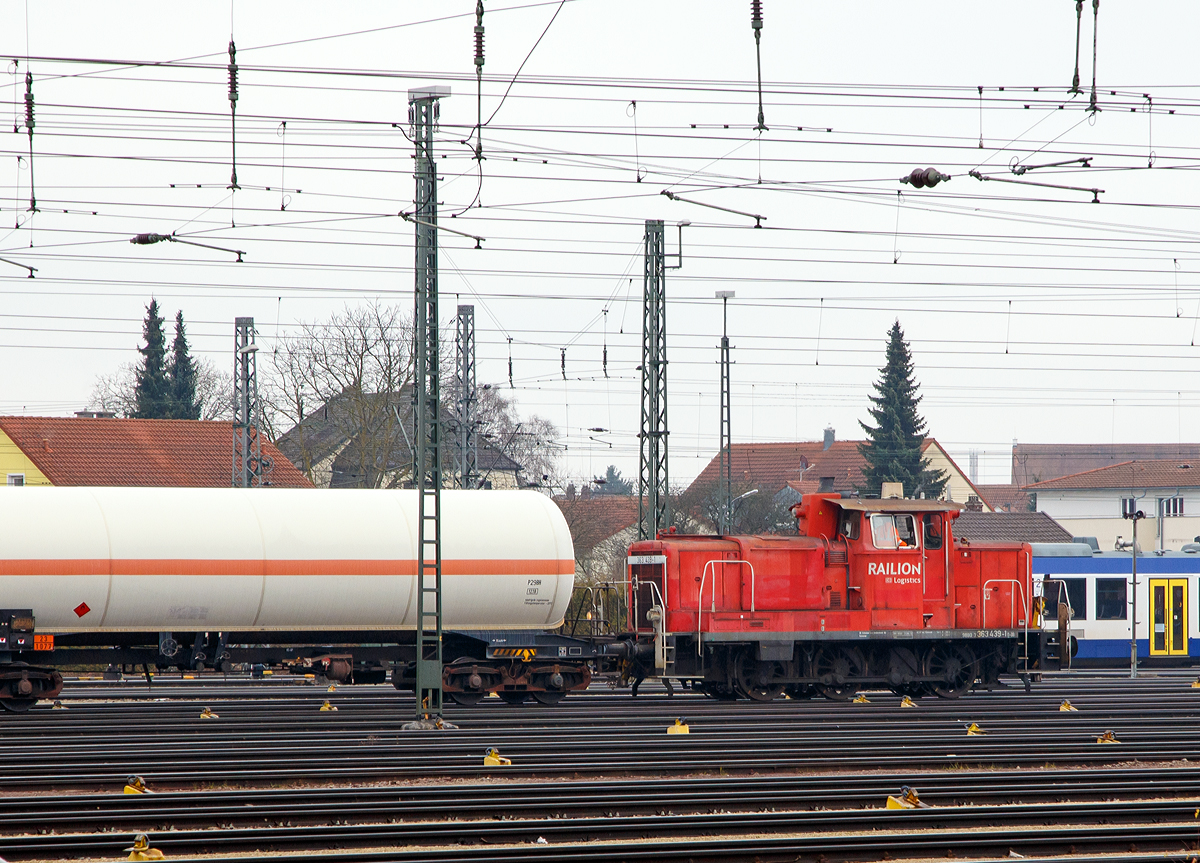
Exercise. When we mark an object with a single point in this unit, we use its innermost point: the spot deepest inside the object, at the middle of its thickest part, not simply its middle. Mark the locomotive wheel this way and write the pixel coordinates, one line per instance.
(903, 666)
(754, 678)
(837, 668)
(513, 696)
(954, 667)
(717, 691)
(17, 705)
(466, 699)
(800, 692)
(547, 697)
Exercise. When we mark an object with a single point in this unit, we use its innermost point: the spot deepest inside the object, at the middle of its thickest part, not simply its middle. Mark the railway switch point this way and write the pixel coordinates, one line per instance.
(136, 785)
(907, 701)
(906, 799)
(1107, 737)
(326, 706)
(861, 699)
(493, 758)
(974, 730)
(141, 850)
(680, 727)
(1067, 706)
(207, 713)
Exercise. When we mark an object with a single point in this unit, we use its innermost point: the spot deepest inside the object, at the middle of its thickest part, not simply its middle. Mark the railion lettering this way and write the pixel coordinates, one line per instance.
(893, 567)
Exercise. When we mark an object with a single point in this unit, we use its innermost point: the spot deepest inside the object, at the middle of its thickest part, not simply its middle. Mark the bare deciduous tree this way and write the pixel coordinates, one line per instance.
(116, 391)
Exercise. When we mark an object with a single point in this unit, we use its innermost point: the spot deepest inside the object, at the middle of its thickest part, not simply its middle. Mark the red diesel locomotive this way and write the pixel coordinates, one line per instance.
(871, 593)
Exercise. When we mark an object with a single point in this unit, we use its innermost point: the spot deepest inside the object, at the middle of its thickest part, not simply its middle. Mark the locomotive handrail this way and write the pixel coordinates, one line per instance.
(713, 608)
(1020, 589)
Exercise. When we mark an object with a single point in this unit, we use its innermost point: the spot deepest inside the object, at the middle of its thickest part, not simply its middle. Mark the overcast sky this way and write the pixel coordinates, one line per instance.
(1034, 314)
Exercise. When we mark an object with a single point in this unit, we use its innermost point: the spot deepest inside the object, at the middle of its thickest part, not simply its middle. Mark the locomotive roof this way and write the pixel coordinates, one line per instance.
(895, 505)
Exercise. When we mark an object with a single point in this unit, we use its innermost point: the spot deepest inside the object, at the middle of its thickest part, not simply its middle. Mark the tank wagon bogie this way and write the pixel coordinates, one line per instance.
(868, 593)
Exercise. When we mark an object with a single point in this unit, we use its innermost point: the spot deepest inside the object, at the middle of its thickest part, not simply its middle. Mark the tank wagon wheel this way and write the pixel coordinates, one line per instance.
(17, 705)
(954, 667)
(548, 697)
(466, 699)
(837, 667)
(754, 678)
(902, 667)
(513, 696)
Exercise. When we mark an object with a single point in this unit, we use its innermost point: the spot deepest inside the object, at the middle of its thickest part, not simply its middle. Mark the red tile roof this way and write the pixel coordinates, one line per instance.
(110, 451)
(774, 465)
(1152, 473)
(1004, 497)
(594, 519)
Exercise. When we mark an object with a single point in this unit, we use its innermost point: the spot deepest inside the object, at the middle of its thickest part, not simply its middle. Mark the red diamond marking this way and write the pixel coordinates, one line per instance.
(82, 609)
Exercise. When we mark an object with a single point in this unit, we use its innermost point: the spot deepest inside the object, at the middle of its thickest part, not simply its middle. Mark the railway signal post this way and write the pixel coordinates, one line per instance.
(423, 110)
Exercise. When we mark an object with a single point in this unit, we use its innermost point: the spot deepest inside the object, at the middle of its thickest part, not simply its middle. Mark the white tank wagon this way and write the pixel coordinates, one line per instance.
(207, 570)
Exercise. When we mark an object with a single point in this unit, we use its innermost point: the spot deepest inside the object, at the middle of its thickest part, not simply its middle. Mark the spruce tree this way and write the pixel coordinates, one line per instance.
(893, 446)
(181, 377)
(152, 396)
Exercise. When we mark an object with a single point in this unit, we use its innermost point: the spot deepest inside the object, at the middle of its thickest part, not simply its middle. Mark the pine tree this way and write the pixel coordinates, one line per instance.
(893, 447)
(181, 377)
(152, 395)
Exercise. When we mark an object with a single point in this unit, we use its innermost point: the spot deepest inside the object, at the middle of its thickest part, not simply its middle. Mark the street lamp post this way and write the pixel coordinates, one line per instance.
(1135, 517)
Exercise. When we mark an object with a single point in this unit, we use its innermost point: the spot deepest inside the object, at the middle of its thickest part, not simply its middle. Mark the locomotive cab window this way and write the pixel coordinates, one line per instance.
(849, 525)
(933, 531)
(893, 531)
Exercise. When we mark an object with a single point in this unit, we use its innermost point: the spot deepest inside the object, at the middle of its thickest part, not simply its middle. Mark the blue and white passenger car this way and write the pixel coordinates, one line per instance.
(1098, 586)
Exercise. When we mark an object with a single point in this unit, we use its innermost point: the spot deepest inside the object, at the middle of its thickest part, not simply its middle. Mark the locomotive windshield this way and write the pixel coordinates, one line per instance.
(893, 531)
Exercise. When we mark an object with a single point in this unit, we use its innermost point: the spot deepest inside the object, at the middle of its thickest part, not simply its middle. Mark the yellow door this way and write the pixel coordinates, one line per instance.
(1168, 617)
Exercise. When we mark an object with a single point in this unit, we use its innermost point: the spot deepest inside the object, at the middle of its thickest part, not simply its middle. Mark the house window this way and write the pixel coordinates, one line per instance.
(16, 479)
(1110, 598)
(1128, 506)
(1171, 506)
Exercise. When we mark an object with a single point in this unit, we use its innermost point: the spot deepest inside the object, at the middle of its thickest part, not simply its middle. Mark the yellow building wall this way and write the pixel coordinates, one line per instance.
(13, 460)
(957, 487)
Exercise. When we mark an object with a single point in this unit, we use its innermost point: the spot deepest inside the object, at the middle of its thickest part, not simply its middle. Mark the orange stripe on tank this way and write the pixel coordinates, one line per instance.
(276, 568)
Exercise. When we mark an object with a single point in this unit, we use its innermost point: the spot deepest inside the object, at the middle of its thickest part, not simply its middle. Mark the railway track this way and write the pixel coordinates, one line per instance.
(773, 786)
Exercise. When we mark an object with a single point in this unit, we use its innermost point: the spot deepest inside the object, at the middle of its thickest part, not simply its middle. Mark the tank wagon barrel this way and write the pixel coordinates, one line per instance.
(194, 577)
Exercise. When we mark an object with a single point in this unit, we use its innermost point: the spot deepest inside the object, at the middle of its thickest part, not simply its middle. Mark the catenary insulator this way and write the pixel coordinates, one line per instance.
(479, 33)
(233, 72)
(921, 178)
(29, 102)
(756, 14)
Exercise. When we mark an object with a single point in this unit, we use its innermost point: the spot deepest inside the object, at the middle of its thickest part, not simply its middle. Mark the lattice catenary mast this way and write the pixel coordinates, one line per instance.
(249, 470)
(423, 111)
(466, 453)
(654, 506)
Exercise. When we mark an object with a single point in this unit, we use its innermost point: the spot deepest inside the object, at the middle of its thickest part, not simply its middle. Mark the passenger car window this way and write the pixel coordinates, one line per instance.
(1110, 598)
(1075, 592)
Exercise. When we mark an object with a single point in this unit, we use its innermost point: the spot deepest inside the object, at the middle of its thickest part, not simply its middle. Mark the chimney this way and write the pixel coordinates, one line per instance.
(829, 437)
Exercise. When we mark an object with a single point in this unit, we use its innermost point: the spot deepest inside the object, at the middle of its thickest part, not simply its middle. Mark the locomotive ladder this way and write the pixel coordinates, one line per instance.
(427, 456)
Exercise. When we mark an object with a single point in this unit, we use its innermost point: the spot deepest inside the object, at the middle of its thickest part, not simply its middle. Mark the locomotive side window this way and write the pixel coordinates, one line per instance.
(898, 531)
(851, 521)
(1110, 598)
(933, 531)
